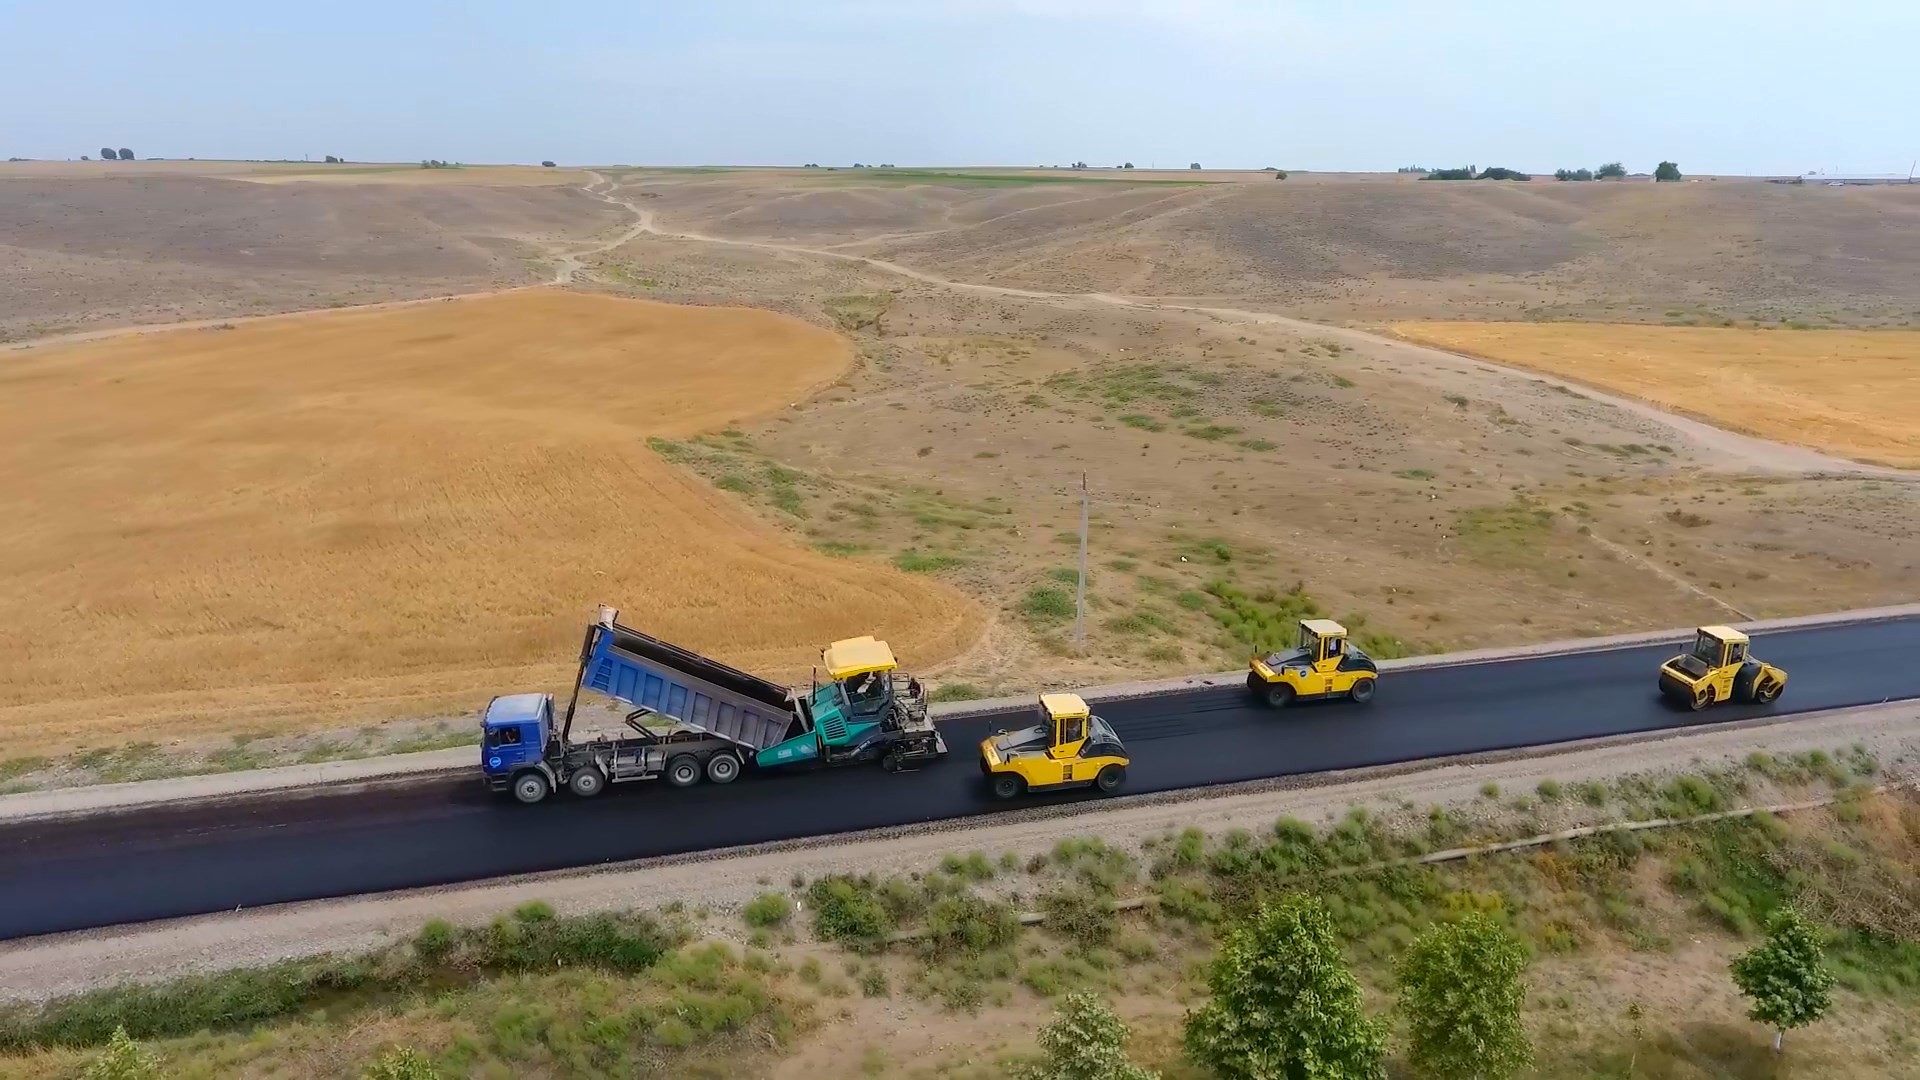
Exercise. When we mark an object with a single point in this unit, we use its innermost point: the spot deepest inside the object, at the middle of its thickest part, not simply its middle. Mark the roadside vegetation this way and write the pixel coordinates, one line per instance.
(1484, 940)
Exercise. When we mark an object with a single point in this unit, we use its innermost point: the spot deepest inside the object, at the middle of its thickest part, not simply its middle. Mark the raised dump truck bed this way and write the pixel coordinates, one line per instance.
(685, 687)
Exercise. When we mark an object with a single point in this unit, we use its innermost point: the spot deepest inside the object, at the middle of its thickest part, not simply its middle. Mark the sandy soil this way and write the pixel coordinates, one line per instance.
(222, 540)
(50, 966)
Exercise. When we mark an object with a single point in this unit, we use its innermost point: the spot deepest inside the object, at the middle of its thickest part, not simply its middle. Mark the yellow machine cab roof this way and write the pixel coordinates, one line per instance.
(856, 656)
(1724, 633)
(1324, 627)
(1065, 706)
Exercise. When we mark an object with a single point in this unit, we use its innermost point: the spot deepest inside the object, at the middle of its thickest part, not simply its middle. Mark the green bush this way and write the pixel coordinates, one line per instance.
(767, 909)
(965, 923)
(122, 1059)
(848, 911)
(401, 1063)
(1078, 915)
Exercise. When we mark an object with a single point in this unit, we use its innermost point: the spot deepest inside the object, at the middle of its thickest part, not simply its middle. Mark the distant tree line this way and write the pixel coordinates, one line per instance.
(1613, 170)
(1491, 172)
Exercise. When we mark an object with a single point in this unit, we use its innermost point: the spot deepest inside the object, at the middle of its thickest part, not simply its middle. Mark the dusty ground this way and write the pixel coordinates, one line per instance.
(351, 513)
(1851, 393)
(1244, 466)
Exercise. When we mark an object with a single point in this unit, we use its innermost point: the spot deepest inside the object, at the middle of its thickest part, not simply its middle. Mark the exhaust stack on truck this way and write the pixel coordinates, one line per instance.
(696, 718)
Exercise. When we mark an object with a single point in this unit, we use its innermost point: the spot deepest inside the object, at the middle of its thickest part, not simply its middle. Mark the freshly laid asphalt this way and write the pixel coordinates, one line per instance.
(189, 859)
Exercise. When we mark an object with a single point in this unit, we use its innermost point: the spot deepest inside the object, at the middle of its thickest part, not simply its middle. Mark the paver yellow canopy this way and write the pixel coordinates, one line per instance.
(1068, 747)
(856, 656)
(1323, 665)
(1719, 667)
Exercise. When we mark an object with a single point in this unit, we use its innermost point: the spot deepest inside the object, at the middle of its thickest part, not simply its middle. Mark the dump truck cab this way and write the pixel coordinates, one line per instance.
(1720, 667)
(514, 733)
(1323, 664)
(866, 710)
(1068, 746)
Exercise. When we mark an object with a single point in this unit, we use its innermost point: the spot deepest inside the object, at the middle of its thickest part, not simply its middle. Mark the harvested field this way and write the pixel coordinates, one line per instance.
(1852, 393)
(390, 512)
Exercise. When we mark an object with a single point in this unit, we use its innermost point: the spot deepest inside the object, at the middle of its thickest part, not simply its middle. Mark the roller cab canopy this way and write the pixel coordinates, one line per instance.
(856, 656)
(1065, 706)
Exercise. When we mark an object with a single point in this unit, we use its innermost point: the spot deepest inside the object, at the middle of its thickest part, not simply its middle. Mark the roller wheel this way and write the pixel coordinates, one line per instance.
(587, 783)
(1110, 779)
(1362, 691)
(530, 787)
(1702, 699)
(683, 771)
(1279, 695)
(1007, 786)
(1767, 692)
(723, 768)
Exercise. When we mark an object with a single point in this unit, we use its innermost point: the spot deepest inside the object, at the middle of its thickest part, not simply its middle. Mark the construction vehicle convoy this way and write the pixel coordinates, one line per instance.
(1069, 748)
(1324, 664)
(1720, 668)
(696, 718)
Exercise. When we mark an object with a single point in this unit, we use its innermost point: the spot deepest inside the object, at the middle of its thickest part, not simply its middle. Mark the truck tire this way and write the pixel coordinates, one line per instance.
(1007, 786)
(1361, 691)
(723, 768)
(1279, 695)
(683, 771)
(530, 787)
(1110, 779)
(587, 782)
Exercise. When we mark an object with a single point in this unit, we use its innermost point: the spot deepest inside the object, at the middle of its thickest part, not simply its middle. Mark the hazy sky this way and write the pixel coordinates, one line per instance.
(1749, 86)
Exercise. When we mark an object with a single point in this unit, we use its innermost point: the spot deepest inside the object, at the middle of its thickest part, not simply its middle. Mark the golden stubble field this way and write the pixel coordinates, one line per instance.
(1852, 393)
(372, 514)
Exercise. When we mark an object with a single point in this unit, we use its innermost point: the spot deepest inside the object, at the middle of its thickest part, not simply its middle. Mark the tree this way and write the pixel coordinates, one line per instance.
(107, 154)
(1128, 165)
(123, 1059)
(547, 165)
(1461, 993)
(1284, 1004)
(1085, 1041)
(1785, 977)
(1612, 170)
(1195, 165)
(401, 1063)
(1667, 171)
(1279, 174)
(126, 154)
(1573, 174)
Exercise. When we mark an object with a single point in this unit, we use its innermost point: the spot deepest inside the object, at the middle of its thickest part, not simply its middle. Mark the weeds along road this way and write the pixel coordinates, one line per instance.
(194, 859)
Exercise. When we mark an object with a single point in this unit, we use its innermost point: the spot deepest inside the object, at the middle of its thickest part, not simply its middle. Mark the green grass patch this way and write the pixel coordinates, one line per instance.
(1143, 422)
(959, 691)
(921, 562)
(1045, 604)
(1211, 432)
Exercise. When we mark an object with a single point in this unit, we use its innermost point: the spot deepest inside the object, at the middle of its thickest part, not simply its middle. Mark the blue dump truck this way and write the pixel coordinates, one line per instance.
(695, 718)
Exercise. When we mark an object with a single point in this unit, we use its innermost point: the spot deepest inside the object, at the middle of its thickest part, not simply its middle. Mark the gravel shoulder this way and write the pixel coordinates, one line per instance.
(719, 882)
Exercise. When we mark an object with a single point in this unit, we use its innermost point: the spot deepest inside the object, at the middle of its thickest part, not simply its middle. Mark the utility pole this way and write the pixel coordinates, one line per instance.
(1080, 595)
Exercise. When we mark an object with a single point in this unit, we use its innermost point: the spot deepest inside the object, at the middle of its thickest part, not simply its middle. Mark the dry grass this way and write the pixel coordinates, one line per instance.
(392, 512)
(1854, 393)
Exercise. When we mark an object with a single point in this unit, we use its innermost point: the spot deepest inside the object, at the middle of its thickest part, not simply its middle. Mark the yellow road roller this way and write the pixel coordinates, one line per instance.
(1719, 667)
(1323, 665)
(1067, 747)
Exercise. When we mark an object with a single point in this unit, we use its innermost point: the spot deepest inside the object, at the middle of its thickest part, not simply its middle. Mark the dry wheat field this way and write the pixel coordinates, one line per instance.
(1855, 393)
(386, 513)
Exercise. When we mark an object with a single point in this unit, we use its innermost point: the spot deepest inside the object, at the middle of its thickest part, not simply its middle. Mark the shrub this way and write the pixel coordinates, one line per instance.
(969, 924)
(1667, 171)
(1612, 170)
(122, 1059)
(1078, 915)
(767, 909)
(1085, 1041)
(401, 1063)
(848, 911)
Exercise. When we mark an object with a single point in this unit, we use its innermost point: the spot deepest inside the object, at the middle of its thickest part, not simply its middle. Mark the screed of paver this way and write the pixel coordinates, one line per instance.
(1851, 392)
(376, 513)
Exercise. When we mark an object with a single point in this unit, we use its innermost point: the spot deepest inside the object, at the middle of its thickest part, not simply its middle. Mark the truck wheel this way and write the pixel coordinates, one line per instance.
(1767, 692)
(683, 771)
(1362, 691)
(1110, 779)
(1279, 695)
(723, 768)
(530, 787)
(588, 782)
(1007, 786)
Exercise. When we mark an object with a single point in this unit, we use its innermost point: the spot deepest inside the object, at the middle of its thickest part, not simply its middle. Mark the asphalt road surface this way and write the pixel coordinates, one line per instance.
(184, 860)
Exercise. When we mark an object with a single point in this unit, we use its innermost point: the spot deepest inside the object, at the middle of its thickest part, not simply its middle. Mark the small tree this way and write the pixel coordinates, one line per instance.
(1279, 174)
(1461, 993)
(126, 154)
(1284, 1003)
(1667, 171)
(547, 165)
(1128, 165)
(1195, 165)
(1785, 977)
(107, 154)
(122, 1059)
(1085, 1041)
(401, 1063)
(1612, 170)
